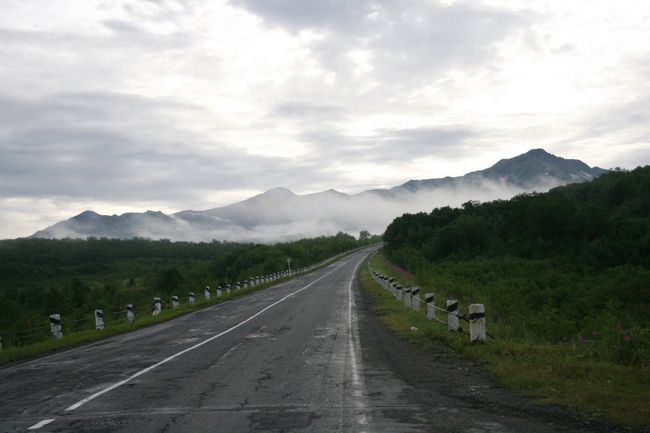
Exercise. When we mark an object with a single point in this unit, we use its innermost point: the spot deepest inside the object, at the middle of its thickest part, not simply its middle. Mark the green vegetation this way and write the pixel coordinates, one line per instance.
(570, 266)
(558, 374)
(565, 279)
(40, 277)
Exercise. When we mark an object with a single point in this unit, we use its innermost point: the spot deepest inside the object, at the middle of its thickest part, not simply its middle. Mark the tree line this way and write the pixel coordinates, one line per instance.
(74, 277)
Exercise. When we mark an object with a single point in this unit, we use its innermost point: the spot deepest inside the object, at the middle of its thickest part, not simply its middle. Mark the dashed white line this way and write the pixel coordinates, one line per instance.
(41, 424)
(196, 346)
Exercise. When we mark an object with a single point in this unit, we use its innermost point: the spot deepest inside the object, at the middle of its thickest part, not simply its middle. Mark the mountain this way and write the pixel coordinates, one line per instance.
(279, 214)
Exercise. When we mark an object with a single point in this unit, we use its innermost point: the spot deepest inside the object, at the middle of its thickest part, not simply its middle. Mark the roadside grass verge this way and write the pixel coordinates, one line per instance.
(73, 339)
(562, 375)
(11, 354)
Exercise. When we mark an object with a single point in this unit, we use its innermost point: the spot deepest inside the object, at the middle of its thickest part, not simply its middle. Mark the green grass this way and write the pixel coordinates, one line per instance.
(15, 353)
(564, 375)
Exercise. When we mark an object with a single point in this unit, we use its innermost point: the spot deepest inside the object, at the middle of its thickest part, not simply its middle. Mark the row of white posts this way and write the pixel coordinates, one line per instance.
(411, 299)
(156, 307)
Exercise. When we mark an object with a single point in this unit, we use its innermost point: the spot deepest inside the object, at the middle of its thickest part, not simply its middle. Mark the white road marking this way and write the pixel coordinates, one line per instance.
(196, 346)
(357, 380)
(41, 424)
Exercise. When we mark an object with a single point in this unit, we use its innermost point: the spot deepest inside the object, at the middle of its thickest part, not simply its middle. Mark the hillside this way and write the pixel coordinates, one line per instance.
(571, 265)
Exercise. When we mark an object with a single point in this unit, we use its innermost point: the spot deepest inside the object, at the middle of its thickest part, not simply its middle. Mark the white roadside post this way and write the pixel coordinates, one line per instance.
(129, 313)
(415, 300)
(191, 297)
(431, 306)
(398, 292)
(477, 322)
(55, 326)
(407, 297)
(452, 315)
(219, 291)
(99, 319)
(157, 306)
(174, 301)
(206, 292)
(228, 289)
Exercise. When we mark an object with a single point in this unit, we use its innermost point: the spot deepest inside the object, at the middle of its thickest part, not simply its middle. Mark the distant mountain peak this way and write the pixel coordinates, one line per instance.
(280, 214)
(279, 191)
(86, 215)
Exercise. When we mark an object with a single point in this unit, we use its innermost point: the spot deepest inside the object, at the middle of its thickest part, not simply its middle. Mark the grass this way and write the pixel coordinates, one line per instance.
(560, 375)
(17, 353)
(72, 339)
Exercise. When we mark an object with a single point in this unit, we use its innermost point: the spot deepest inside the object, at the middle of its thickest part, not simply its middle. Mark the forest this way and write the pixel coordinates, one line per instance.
(72, 277)
(570, 266)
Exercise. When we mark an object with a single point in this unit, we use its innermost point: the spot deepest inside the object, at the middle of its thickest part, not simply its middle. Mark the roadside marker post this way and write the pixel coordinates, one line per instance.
(219, 291)
(174, 301)
(99, 319)
(477, 322)
(55, 326)
(157, 306)
(206, 292)
(415, 300)
(452, 315)
(431, 306)
(130, 316)
(191, 297)
(406, 297)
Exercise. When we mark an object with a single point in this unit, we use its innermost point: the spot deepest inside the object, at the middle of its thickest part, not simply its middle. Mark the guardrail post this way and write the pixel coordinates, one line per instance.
(415, 300)
(156, 307)
(174, 301)
(219, 291)
(55, 326)
(206, 292)
(407, 296)
(129, 313)
(99, 319)
(191, 297)
(431, 306)
(452, 315)
(398, 292)
(228, 289)
(477, 322)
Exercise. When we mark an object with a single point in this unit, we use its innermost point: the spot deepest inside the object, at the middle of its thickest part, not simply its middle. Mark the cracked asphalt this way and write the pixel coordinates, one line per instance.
(306, 355)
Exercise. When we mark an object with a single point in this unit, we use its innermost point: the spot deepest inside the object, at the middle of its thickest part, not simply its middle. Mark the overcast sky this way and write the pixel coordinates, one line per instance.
(117, 105)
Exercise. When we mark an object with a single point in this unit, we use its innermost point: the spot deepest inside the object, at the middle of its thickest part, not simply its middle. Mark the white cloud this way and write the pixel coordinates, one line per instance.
(190, 104)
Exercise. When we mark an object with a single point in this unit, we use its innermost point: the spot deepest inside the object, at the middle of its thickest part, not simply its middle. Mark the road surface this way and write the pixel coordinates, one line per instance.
(303, 356)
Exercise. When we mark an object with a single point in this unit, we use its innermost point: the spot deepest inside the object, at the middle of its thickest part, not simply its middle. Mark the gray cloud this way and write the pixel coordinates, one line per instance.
(408, 41)
(306, 109)
(122, 148)
(403, 145)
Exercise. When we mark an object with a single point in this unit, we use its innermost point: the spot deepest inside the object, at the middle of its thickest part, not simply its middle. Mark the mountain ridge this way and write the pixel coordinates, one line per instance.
(281, 214)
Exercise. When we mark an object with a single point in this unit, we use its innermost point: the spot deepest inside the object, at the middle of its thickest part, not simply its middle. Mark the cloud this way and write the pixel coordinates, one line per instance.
(121, 148)
(394, 144)
(405, 42)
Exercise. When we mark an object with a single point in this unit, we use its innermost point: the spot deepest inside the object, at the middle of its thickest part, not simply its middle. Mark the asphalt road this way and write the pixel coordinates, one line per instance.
(303, 356)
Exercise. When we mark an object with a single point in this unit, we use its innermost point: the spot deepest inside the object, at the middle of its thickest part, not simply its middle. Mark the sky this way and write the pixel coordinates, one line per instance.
(131, 105)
